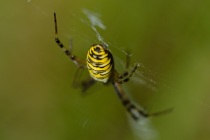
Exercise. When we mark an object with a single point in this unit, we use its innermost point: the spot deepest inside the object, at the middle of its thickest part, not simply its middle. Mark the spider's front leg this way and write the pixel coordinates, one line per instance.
(76, 60)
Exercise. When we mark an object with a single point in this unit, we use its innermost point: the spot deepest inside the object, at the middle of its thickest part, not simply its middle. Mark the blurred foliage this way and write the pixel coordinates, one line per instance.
(170, 39)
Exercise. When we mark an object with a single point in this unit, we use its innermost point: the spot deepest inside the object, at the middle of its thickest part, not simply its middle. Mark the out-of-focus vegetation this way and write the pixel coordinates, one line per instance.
(170, 38)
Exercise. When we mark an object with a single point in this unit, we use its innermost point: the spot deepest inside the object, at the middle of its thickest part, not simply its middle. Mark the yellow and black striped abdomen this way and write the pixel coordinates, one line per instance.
(100, 63)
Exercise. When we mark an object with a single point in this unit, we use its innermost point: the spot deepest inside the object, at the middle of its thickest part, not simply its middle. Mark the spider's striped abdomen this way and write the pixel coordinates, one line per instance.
(100, 63)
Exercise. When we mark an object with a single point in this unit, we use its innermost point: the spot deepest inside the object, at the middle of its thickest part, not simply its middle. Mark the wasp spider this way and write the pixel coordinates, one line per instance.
(100, 64)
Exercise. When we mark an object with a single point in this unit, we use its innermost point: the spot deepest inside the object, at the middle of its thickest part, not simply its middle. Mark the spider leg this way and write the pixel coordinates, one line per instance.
(77, 76)
(126, 65)
(125, 77)
(135, 112)
(85, 84)
(76, 60)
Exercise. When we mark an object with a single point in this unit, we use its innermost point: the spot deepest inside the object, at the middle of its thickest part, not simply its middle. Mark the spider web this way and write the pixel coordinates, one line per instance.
(142, 129)
(140, 77)
(94, 21)
(143, 76)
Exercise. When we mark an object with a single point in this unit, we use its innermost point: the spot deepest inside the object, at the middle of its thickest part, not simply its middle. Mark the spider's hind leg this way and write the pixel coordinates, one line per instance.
(135, 112)
(85, 84)
(125, 77)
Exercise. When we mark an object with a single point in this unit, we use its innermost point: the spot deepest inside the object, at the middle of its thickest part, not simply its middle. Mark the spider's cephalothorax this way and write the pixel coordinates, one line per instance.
(100, 63)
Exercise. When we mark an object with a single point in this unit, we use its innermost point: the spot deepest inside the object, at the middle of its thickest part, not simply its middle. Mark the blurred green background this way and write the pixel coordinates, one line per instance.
(170, 38)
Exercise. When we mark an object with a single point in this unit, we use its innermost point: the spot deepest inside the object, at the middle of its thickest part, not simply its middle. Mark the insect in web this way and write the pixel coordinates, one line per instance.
(100, 64)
